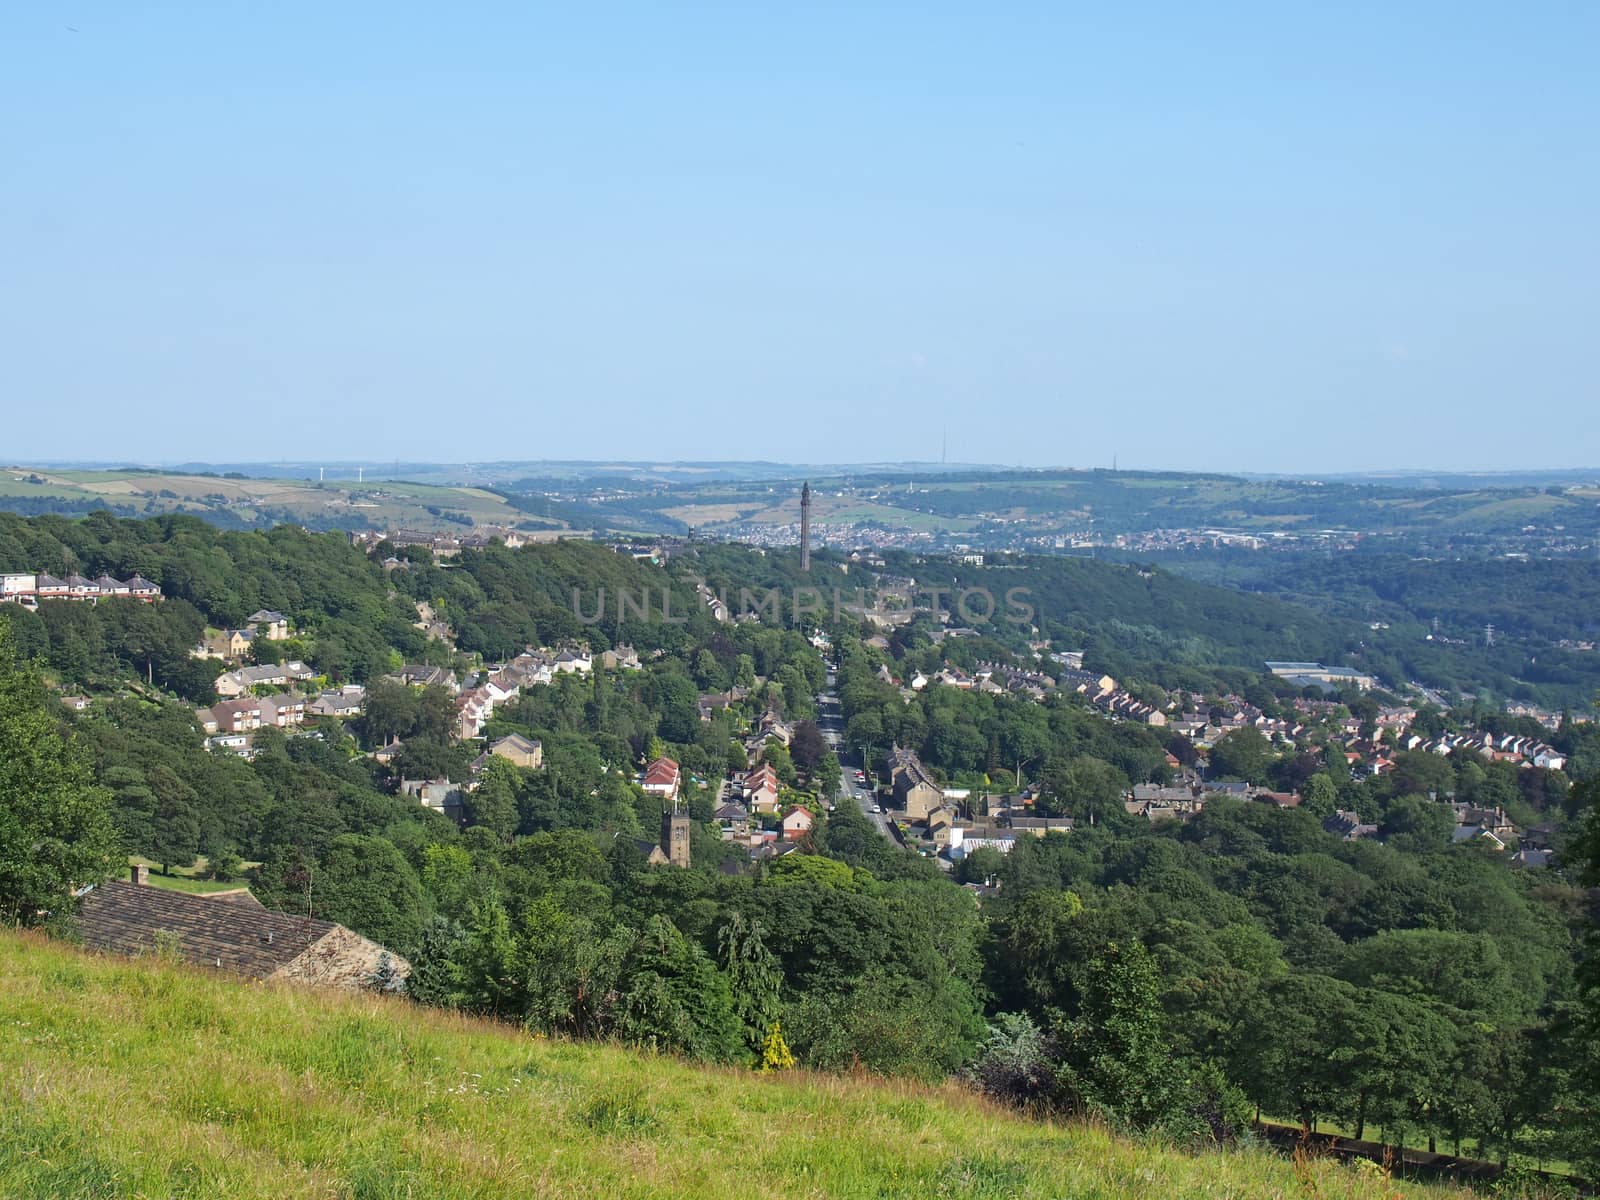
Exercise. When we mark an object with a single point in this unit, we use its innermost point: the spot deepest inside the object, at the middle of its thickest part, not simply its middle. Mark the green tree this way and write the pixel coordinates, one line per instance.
(1586, 1022)
(1242, 754)
(673, 997)
(1420, 773)
(754, 978)
(437, 974)
(1291, 1058)
(175, 821)
(1088, 788)
(55, 822)
(1319, 796)
(493, 803)
(1118, 1056)
(390, 712)
(363, 882)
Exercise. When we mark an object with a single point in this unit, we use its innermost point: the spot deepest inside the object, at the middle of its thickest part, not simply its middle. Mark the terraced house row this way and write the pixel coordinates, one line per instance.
(29, 589)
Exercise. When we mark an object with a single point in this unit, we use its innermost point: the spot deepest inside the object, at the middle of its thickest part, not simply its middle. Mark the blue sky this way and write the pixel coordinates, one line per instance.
(1223, 236)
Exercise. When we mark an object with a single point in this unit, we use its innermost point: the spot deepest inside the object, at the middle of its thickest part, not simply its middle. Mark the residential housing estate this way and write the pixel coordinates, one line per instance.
(29, 589)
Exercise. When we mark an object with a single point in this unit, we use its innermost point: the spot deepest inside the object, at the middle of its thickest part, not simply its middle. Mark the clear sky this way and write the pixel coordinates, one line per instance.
(1300, 237)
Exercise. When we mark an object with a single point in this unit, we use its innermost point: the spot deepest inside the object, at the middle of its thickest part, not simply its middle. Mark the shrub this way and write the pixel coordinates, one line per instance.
(1016, 1063)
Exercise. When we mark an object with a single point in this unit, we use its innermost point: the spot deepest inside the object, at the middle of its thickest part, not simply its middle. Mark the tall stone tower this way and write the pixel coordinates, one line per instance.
(805, 527)
(675, 837)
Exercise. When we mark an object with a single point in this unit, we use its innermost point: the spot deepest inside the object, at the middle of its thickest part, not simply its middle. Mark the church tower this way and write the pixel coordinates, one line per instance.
(805, 527)
(675, 837)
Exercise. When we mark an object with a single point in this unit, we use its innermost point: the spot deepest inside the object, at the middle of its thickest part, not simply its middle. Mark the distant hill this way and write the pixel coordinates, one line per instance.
(137, 1078)
(937, 505)
(235, 501)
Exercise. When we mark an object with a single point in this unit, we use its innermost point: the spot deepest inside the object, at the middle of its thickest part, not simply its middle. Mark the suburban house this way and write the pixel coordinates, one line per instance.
(415, 675)
(501, 686)
(240, 715)
(1085, 683)
(770, 728)
(711, 703)
(438, 794)
(797, 823)
(237, 683)
(230, 644)
(1121, 705)
(661, 778)
(1491, 820)
(732, 820)
(620, 658)
(1476, 833)
(915, 791)
(230, 716)
(760, 788)
(519, 751)
(575, 661)
(1348, 826)
(473, 710)
(231, 932)
(273, 626)
(348, 701)
(283, 712)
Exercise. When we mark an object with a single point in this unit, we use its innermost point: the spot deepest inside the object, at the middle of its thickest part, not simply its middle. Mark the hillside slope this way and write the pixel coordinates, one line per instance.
(236, 502)
(140, 1079)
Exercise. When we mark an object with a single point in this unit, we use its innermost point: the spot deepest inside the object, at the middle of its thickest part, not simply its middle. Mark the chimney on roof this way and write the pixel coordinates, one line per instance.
(140, 874)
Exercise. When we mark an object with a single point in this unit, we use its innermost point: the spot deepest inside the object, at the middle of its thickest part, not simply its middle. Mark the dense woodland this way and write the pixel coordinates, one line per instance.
(1175, 976)
(1534, 605)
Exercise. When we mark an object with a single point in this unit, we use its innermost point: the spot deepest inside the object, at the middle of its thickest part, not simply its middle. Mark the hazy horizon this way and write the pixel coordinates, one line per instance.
(381, 468)
(1231, 239)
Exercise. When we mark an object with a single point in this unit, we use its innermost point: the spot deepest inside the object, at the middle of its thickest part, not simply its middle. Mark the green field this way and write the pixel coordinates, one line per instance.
(11, 485)
(382, 504)
(142, 1079)
(187, 879)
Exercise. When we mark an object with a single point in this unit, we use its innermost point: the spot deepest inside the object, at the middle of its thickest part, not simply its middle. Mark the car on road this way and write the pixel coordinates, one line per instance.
(877, 808)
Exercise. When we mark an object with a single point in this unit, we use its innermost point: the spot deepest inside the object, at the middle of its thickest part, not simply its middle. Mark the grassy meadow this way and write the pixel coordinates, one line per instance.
(144, 1079)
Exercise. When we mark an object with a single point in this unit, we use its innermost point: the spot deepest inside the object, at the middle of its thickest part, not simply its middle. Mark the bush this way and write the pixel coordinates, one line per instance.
(1016, 1063)
(224, 866)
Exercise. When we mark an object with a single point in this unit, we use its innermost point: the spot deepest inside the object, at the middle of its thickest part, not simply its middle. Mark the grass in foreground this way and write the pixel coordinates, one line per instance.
(124, 1078)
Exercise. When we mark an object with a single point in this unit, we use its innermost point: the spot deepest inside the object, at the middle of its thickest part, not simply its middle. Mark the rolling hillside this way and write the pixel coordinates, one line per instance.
(142, 1079)
(236, 502)
(998, 508)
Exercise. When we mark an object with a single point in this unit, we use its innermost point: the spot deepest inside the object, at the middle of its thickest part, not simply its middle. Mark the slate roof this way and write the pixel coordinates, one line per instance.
(124, 918)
